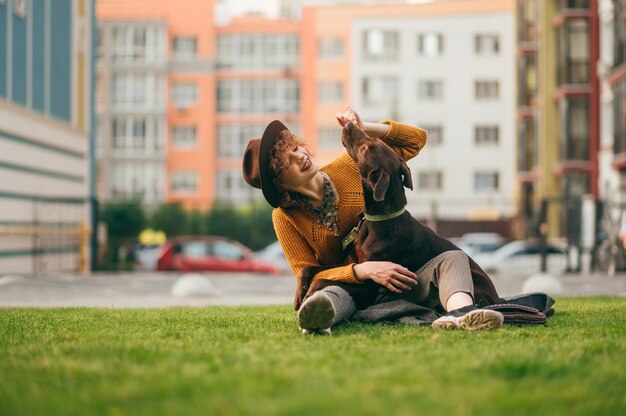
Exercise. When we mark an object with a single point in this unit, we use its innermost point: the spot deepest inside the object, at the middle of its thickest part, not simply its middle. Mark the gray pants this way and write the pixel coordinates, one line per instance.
(437, 280)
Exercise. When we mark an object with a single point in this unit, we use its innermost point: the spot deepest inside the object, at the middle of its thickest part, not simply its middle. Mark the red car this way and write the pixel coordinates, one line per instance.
(202, 253)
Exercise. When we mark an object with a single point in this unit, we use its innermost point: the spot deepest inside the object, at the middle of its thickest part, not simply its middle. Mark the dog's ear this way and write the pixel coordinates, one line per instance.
(408, 180)
(379, 181)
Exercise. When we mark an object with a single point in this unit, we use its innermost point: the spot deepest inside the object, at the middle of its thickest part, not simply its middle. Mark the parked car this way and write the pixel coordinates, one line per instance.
(477, 243)
(274, 254)
(210, 253)
(522, 257)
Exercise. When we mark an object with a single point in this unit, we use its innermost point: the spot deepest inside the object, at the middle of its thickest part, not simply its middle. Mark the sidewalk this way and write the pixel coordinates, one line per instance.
(139, 290)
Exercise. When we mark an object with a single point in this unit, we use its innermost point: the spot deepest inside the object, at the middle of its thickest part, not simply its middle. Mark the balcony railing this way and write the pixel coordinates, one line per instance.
(571, 72)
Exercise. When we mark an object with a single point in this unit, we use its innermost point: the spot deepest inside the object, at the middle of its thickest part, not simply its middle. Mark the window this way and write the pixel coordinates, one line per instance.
(330, 92)
(329, 138)
(232, 188)
(486, 90)
(430, 181)
(330, 48)
(574, 129)
(486, 135)
(226, 250)
(138, 91)
(133, 133)
(573, 55)
(380, 90)
(430, 44)
(137, 43)
(184, 94)
(435, 134)
(486, 44)
(430, 90)
(381, 45)
(184, 182)
(262, 96)
(232, 139)
(258, 52)
(184, 47)
(195, 249)
(486, 181)
(183, 137)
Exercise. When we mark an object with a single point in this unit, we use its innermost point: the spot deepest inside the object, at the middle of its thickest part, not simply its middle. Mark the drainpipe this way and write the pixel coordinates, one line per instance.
(92, 139)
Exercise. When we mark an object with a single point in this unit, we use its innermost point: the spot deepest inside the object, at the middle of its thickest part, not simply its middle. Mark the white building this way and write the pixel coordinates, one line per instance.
(131, 110)
(454, 76)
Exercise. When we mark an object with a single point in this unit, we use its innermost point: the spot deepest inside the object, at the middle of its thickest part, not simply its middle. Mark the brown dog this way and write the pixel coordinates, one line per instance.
(400, 239)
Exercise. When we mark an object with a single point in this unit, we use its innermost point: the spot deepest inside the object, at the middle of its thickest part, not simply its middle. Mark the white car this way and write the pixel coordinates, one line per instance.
(477, 243)
(274, 255)
(522, 257)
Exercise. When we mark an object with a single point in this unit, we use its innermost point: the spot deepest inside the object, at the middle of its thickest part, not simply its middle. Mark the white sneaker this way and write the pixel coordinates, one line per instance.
(316, 314)
(470, 318)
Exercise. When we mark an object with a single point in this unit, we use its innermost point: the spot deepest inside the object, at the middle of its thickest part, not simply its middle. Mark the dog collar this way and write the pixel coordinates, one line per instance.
(384, 217)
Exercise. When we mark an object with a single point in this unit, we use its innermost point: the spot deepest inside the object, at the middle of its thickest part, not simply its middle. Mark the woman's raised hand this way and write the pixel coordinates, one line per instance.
(391, 275)
(350, 116)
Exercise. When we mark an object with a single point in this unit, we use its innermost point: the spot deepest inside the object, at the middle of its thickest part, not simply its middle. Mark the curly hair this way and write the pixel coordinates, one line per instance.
(286, 142)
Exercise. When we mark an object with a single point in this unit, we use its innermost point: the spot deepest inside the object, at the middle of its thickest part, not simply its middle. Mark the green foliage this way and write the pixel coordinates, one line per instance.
(253, 361)
(196, 223)
(123, 219)
(251, 226)
(170, 218)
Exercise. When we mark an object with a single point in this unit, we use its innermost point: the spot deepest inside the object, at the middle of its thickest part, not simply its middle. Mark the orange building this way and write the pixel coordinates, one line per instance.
(258, 79)
(156, 105)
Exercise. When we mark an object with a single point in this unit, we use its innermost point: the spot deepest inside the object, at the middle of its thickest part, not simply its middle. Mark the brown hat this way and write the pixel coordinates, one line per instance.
(256, 163)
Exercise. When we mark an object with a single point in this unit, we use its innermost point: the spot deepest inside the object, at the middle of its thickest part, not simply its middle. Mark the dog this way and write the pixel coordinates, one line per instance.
(394, 235)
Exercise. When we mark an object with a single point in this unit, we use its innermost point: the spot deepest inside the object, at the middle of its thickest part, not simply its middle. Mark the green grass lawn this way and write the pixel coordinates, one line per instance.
(252, 360)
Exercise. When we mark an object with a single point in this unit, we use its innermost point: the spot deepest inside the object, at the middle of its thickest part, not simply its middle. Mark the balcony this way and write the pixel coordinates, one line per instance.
(573, 73)
(574, 148)
(526, 149)
(527, 21)
(573, 56)
(527, 81)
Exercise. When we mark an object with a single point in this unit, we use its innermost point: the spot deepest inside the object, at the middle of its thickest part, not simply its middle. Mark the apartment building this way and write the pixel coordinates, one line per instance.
(258, 79)
(45, 178)
(156, 106)
(612, 70)
(445, 66)
(558, 111)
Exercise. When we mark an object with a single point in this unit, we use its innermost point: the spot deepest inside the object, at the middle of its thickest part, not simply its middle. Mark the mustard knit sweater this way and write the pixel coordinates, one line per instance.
(307, 244)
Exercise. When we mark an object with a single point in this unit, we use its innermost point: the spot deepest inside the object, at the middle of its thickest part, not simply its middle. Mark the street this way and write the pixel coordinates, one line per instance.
(149, 289)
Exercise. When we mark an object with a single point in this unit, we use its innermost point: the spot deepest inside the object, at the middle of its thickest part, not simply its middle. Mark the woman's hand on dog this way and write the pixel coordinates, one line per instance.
(391, 275)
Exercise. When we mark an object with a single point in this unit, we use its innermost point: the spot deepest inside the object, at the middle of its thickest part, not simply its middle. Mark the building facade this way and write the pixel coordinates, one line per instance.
(156, 105)
(45, 178)
(559, 94)
(258, 78)
(613, 70)
(445, 66)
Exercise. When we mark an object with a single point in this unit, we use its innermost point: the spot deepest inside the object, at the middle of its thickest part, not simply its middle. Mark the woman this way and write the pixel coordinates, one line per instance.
(316, 207)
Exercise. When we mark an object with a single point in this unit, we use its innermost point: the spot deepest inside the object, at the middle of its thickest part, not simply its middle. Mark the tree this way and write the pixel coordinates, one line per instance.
(170, 218)
(124, 220)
